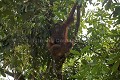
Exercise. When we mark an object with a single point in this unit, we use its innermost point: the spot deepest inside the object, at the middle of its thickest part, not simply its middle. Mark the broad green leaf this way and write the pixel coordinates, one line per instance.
(85, 49)
(115, 66)
(75, 52)
(84, 62)
(111, 61)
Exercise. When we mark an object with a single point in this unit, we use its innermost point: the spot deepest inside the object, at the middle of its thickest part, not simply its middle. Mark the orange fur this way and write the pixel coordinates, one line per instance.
(58, 43)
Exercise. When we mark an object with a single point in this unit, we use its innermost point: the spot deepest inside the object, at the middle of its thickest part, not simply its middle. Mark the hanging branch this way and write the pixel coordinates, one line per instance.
(78, 21)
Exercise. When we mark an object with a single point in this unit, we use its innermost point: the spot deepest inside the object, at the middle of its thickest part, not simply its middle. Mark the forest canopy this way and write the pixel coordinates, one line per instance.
(25, 29)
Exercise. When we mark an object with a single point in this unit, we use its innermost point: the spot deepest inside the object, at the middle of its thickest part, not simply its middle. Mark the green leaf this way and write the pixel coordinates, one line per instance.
(84, 61)
(115, 66)
(85, 49)
(75, 52)
(104, 2)
(116, 12)
(111, 61)
(3, 74)
(108, 5)
(95, 69)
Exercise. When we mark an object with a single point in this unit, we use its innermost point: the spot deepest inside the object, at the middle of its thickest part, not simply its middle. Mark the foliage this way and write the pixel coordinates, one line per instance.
(25, 28)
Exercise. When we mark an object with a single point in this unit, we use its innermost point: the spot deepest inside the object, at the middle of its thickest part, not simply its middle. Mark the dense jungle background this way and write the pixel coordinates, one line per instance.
(24, 32)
